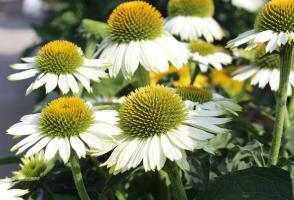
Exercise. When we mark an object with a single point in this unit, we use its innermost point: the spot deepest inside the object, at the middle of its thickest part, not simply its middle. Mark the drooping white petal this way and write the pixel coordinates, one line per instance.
(62, 84)
(51, 82)
(64, 149)
(51, 148)
(37, 147)
(23, 75)
(78, 146)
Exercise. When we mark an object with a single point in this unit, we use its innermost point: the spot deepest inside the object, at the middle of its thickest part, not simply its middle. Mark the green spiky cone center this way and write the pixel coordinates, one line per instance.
(276, 15)
(135, 21)
(203, 48)
(194, 94)
(66, 117)
(199, 8)
(150, 111)
(59, 57)
(34, 169)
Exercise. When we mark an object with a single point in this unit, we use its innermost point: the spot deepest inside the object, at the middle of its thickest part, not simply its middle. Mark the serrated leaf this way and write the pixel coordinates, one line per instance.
(252, 184)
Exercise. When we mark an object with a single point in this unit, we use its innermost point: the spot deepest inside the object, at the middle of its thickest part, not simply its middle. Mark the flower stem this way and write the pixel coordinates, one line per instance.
(281, 106)
(177, 188)
(78, 178)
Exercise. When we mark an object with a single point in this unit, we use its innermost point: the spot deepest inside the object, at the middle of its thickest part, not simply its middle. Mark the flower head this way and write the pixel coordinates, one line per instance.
(135, 21)
(273, 27)
(64, 124)
(192, 19)
(33, 168)
(8, 193)
(249, 5)
(202, 99)
(206, 54)
(60, 64)
(200, 8)
(264, 70)
(157, 125)
(136, 37)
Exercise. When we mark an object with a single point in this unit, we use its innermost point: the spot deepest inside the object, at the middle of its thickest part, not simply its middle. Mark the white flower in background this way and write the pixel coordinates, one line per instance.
(249, 5)
(264, 70)
(157, 125)
(274, 26)
(33, 168)
(66, 124)
(32, 8)
(60, 64)
(206, 102)
(137, 38)
(206, 54)
(7, 193)
(193, 19)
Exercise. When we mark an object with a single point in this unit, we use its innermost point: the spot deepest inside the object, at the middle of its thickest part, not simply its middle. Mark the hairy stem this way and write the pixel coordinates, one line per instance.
(281, 105)
(78, 178)
(177, 188)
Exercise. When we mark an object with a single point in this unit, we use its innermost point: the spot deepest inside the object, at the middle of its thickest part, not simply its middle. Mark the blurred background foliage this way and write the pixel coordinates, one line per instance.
(245, 147)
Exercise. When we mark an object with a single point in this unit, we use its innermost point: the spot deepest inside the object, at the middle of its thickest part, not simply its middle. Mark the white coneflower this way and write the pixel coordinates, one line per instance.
(66, 124)
(274, 26)
(264, 70)
(249, 5)
(136, 37)
(206, 54)
(156, 126)
(60, 64)
(192, 19)
(8, 193)
(204, 101)
(33, 168)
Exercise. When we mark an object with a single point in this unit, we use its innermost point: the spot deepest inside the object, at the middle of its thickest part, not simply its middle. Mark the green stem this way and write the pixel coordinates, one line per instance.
(143, 76)
(194, 70)
(177, 188)
(78, 178)
(281, 106)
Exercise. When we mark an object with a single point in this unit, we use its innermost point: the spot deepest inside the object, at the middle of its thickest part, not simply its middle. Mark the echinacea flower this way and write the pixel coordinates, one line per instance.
(66, 124)
(33, 168)
(192, 19)
(137, 38)
(205, 101)
(264, 70)
(206, 55)
(156, 126)
(249, 5)
(8, 193)
(274, 26)
(60, 64)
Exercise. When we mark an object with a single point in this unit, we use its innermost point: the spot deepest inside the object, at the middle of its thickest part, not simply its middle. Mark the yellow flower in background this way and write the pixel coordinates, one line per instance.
(183, 74)
(201, 81)
(222, 78)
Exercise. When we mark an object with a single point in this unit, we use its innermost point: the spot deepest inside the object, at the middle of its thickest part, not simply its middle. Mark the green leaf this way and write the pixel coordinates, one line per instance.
(252, 184)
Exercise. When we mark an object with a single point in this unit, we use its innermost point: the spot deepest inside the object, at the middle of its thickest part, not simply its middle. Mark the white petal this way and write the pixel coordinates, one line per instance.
(51, 82)
(64, 149)
(35, 149)
(23, 75)
(78, 146)
(51, 148)
(62, 84)
(72, 83)
(171, 151)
